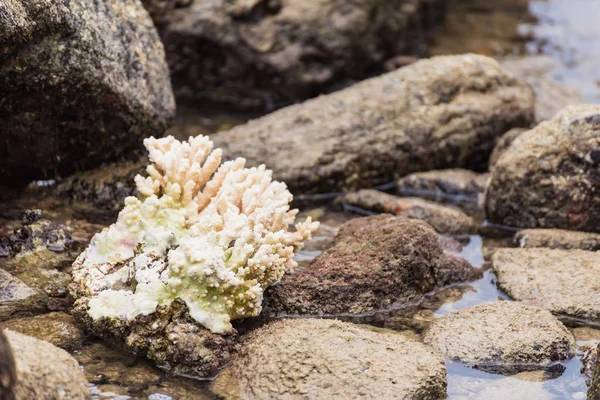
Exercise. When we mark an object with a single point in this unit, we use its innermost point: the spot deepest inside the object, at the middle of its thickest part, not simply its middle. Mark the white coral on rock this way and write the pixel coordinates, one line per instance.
(212, 235)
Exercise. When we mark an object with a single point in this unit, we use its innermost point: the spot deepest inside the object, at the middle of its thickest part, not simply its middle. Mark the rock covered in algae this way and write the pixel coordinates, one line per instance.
(316, 358)
(210, 236)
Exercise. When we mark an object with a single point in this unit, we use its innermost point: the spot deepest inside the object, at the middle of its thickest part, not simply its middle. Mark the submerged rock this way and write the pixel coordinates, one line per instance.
(561, 281)
(265, 53)
(57, 328)
(457, 186)
(549, 176)
(374, 263)
(503, 332)
(314, 358)
(82, 81)
(444, 219)
(558, 239)
(503, 144)
(44, 371)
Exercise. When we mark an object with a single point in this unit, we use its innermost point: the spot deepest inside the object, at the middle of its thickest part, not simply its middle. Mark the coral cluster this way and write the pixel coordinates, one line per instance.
(214, 235)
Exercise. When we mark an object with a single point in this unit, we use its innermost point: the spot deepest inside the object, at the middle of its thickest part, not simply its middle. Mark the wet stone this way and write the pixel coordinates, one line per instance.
(444, 219)
(558, 239)
(561, 281)
(315, 358)
(502, 337)
(57, 328)
(16, 298)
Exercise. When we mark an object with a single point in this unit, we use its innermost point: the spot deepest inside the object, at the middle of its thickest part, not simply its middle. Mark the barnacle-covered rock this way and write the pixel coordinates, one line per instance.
(213, 236)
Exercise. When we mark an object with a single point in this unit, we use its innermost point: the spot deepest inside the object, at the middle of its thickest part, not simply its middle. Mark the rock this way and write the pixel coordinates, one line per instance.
(594, 390)
(499, 336)
(159, 9)
(561, 281)
(461, 187)
(444, 219)
(558, 239)
(16, 298)
(82, 82)
(549, 176)
(265, 53)
(503, 144)
(168, 336)
(8, 375)
(550, 95)
(588, 361)
(314, 358)
(57, 328)
(374, 263)
(413, 119)
(44, 371)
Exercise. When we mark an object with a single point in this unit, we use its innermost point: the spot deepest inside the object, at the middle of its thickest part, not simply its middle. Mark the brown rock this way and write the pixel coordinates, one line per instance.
(549, 176)
(558, 239)
(374, 263)
(503, 144)
(315, 358)
(16, 298)
(8, 375)
(444, 219)
(57, 328)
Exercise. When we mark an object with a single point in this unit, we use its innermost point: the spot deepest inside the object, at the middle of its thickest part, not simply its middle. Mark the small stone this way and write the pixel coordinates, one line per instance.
(503, 332)
(57, 328)
(558, 239)
(315, 358)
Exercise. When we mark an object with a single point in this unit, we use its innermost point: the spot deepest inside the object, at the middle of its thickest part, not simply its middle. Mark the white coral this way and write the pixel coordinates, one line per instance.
(213, 236)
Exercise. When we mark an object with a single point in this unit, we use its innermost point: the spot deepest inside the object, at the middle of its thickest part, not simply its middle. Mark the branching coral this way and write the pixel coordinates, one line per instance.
(215, 235)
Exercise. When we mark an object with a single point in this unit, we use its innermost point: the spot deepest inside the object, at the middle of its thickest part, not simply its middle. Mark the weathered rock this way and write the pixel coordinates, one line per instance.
(265, 53)
(503, 332)
(457, 186)
(16, 298)
(81, 82)
(444, 219)
(169, 337)
(503, 144)
(57, 328)
(44, 371)
(413, 119)
(550, 95)
(588, 361)
(558, 239)
(8, 375)
(561, 281)
(314, 358)
(159, 9)
(549, 176)
(374, 263)
(594, 390)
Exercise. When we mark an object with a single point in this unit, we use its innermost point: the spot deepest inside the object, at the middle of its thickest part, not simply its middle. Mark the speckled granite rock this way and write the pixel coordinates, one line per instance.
(314, 358)
(81, 81)
(549, 176)
(561, 281)
(44, 371)
(265, 53)
(501, 332)
(374, 263)
(456, 186)
(57, 328)
(558, 239)
(444, 219)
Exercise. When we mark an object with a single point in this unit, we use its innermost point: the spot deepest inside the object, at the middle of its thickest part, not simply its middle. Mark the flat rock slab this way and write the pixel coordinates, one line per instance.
(373, 263)
(262, 54)
(16, 298)
(315, 358)
(549, 176)
(564, 282)
(444, 219)
(82, 82)
(501, 332)
(558, 239)
(457, 186)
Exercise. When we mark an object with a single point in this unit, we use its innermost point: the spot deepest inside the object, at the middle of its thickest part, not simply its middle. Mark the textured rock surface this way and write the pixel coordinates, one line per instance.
(594, 390)
(561, 281)
(8, 375)
(57, 328)
(81, 83)
(44, 371)
(558, 239)
(444, 219)
(313, 358)
(259, 53)
(16, 298)
(169, 337)
(549, 176)
(374, 263)
(457, 186)
(503, 144)
(501, 332)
